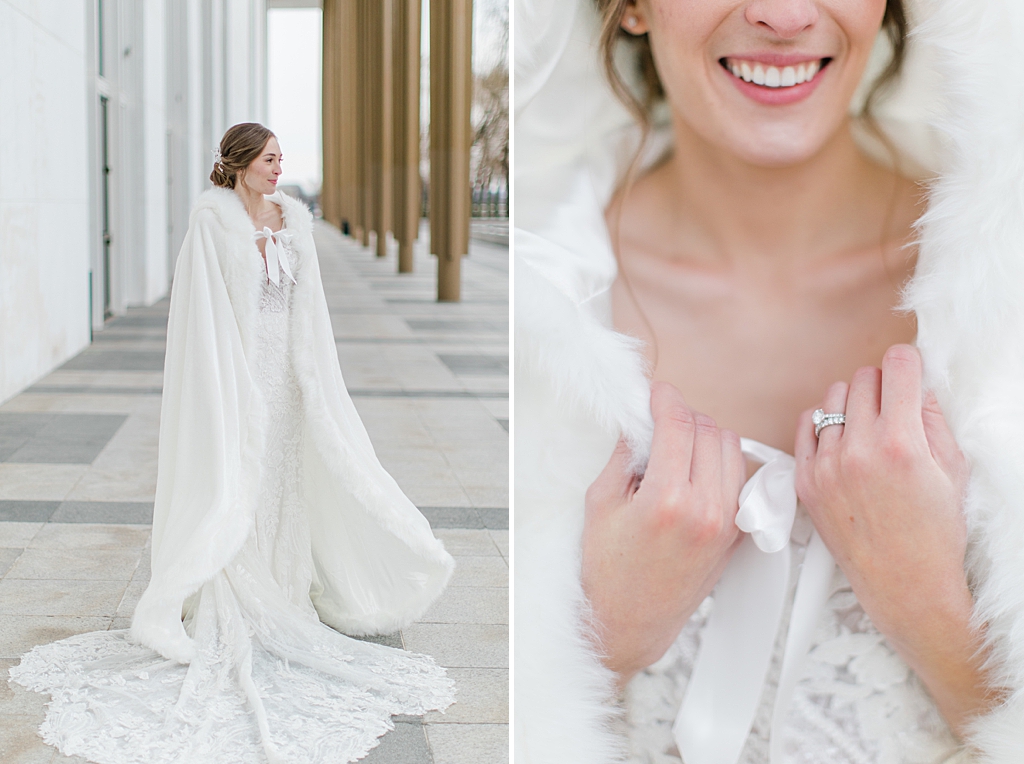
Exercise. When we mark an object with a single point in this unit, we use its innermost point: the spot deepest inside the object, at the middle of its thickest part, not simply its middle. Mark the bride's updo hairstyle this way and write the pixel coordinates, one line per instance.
(894, 22)
(239, 148)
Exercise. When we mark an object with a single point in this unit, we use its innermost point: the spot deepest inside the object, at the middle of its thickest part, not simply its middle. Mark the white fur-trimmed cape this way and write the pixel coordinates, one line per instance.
(377, 566)
(579, 385)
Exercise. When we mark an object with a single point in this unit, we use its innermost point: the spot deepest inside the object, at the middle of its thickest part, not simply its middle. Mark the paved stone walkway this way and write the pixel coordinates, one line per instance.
(78, 474)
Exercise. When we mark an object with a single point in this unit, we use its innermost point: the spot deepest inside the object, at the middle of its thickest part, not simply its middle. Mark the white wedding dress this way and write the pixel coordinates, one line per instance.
(270, 683)
(857, 701)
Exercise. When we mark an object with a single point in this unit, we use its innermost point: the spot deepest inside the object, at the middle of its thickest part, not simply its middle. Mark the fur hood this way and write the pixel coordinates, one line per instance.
(378, 566)
(579, 385)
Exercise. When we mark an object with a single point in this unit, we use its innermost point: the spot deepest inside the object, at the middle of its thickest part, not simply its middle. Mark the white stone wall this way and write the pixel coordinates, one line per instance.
(155, 278)
(177, 73)
(44, 189)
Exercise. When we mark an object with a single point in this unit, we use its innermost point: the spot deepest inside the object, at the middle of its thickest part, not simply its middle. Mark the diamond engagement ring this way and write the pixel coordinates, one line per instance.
(822, 420)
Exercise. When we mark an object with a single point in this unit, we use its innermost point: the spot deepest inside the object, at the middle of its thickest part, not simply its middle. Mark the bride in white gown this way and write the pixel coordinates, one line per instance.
(272, 514)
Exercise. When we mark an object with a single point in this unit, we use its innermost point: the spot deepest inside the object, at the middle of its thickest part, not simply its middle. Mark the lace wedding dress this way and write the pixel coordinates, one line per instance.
(270, 683)
(857, 701)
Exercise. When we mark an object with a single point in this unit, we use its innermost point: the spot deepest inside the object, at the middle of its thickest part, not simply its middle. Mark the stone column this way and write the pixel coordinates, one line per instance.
(381, 99)
(329, 110)
(339, 195)
(406, 139)
(451, 93)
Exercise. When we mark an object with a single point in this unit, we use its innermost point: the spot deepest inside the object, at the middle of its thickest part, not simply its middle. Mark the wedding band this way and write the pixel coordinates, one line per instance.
(822, 420)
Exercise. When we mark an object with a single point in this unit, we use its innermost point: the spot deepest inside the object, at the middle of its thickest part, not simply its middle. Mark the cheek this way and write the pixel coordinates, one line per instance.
(681, 35)
(860, 23)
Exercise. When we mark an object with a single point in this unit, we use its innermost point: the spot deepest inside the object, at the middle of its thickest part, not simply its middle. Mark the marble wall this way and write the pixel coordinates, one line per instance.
(175, 74)
(44, 189)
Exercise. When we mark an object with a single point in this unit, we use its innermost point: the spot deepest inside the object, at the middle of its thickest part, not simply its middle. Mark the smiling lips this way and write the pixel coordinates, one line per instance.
(773, 76)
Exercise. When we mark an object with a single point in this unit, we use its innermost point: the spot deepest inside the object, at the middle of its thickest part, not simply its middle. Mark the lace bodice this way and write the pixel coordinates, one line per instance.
(270, 683)
(856, 703)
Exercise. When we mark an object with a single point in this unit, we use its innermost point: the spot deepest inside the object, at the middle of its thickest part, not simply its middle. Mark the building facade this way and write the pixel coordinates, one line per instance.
(112, 109)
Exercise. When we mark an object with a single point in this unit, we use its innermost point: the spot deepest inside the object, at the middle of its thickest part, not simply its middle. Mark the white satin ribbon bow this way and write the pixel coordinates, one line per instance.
(275, 262)
(728, 676)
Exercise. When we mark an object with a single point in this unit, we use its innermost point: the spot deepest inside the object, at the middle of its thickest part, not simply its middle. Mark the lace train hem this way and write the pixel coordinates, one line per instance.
(116, 702)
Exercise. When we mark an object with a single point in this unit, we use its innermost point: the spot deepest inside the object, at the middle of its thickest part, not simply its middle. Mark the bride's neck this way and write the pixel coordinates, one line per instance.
(740, 210)
(253, 201)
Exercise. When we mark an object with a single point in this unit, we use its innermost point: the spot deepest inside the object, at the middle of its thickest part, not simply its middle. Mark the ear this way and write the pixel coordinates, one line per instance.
(633, 20)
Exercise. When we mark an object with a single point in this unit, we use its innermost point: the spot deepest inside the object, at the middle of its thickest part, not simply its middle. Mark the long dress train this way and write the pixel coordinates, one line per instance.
(270, 682)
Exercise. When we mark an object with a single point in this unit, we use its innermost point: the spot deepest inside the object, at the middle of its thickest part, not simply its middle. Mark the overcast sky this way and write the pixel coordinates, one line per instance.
(294, 41)
(294, 78)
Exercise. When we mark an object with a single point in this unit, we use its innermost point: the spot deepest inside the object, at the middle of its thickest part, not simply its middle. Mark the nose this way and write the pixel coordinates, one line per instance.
(786, 18)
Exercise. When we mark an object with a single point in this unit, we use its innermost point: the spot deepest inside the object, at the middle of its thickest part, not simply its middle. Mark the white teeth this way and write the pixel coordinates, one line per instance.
(772, 76)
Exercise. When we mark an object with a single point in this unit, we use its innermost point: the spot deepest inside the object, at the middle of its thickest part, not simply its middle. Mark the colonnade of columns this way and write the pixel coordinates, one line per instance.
(371, 127)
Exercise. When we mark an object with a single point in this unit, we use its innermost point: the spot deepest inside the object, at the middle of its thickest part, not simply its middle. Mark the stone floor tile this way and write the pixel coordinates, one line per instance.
(126, 469)
(479, 571)
(109, 360)
(500, 540)
(469, 604)
(116, 484)
(60, 597)
(486, 496)
(43, 482)
(15, 699)
(20, 633)
(453, 517)
(8, 555)
(468, 743)
(78, 403)
(107, 512)
(463, 645)
(76, 564)
(20, 742)
(459, 542)
(91, 536)
(26, 511)
(18, 534)
(416, 465)
(405, 744)
(476, 364)
(103, 378)
(130, 598)
(393, 639)
(495, 407)
(434, 494)
(66, 438)
(494, 518)
(482, 698)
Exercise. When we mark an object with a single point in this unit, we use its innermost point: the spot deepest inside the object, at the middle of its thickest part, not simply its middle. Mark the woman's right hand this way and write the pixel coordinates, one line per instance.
(654, 546)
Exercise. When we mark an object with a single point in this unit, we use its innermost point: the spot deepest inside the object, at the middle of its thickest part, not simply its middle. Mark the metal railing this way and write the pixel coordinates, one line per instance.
(490, 202)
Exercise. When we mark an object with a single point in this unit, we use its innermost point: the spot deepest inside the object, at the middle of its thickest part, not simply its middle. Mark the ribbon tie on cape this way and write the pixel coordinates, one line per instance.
(728, 677)
(275, 262)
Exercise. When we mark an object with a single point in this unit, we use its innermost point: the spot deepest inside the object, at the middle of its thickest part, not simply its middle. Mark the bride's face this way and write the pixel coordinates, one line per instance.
(261, 176)
(770, 81)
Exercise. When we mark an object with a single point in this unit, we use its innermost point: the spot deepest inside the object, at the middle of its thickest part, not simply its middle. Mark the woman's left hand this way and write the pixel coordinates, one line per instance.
(885, 492)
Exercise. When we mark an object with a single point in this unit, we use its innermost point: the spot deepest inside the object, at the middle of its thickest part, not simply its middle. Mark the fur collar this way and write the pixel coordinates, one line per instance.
(228, 208)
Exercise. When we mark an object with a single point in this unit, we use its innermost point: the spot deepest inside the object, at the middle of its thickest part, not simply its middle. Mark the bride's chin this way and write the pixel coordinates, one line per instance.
(774, 149)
